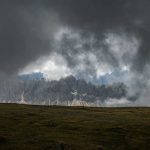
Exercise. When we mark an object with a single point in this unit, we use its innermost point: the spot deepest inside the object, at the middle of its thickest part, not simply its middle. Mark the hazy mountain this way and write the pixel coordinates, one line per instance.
(65, 91)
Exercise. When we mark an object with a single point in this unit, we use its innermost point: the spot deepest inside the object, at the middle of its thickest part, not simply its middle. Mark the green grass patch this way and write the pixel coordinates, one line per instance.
(43, 128)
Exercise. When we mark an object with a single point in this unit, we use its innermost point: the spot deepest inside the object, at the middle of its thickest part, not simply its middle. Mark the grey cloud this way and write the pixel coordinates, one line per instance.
(101, 16)
(25, 34)
(27, 28)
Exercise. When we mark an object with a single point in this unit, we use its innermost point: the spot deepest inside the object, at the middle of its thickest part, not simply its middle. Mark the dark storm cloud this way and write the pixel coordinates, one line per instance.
(23, 33)
(100, 16)
(27, 28)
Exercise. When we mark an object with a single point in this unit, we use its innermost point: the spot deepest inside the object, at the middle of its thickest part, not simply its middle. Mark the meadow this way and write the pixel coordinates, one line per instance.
(27, 127)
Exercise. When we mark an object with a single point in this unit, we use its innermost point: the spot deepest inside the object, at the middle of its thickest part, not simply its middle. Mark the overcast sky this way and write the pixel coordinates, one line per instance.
(63, 37)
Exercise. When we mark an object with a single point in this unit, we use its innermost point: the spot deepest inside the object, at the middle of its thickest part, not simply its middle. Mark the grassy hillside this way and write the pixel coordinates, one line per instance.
(24, 127)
